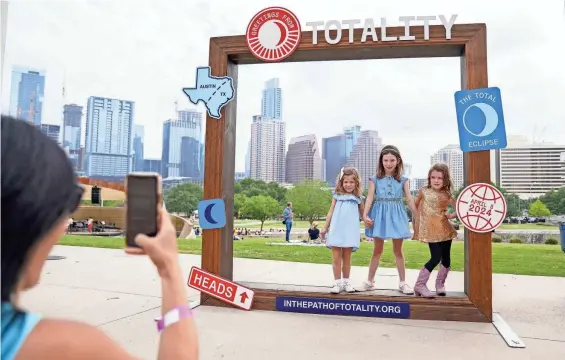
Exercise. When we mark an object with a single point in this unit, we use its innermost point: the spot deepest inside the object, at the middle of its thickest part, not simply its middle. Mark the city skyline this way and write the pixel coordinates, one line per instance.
(409, 102)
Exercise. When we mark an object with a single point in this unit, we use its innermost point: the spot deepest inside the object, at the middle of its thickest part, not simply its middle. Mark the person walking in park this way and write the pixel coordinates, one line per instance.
(432, 226)
(288, 215)
(37, 201)
(388, 218)
(342, 226)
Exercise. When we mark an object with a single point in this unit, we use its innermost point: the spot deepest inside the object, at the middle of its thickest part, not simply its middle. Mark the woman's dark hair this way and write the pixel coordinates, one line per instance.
(38, 188)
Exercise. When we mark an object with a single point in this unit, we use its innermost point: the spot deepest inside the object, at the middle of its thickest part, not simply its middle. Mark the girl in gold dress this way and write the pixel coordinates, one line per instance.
(432, 226)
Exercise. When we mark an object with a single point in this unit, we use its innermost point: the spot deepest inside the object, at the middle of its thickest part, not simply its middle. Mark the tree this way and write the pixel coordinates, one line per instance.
(309, 201)
(538, 209)
(554, 200)
(183, 198)
(250, 188)
(238, 201)
(260, 207)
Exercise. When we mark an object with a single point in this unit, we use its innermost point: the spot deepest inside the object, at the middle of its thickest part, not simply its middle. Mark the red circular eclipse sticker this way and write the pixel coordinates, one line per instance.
(273, 34)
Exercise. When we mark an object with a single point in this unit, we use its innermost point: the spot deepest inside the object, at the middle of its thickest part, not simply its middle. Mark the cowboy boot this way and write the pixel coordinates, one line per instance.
(420, 288)
(440, 280)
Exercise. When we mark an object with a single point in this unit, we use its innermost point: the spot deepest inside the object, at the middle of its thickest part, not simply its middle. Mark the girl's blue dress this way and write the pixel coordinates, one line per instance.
(390, 220)
(344, 227)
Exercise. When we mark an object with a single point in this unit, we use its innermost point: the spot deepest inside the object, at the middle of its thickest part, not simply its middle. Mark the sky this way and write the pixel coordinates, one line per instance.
(147, 50)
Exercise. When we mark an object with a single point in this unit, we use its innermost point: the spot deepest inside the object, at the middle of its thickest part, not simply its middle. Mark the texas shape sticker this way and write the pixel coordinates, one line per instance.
(214, 91)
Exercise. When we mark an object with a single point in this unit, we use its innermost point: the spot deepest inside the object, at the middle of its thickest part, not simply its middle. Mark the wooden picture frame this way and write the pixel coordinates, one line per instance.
(468, 42)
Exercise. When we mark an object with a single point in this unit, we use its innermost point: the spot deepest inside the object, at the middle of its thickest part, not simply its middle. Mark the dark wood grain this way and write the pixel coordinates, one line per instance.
(468, 42)
(478, 247)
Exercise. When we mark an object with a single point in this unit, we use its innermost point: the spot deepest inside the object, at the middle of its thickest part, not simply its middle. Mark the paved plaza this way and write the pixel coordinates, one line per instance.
(121, 295)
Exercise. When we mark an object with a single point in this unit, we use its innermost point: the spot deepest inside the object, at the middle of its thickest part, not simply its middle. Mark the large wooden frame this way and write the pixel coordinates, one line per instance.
(469, 42)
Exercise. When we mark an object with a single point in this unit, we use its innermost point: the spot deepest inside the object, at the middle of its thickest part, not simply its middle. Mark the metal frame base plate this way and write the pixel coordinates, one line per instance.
(511, 338)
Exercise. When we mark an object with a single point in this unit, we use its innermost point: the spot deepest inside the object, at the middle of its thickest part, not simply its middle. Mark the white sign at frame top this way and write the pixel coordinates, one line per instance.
(369, 28)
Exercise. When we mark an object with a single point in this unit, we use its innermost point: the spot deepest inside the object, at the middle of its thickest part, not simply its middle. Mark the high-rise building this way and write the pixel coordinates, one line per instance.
(72, 129)
(452, 156)
(268, 144)
(417, 183)
(239, 176)
(365, 155)
(138, 139)
(271, 101)
(248, 160)
(336, 151)
(109, 134)
(183, 146)
(530, 170)
(303, 159)
(52, 131)
(26, 95)
(152, 165)
(407, 170)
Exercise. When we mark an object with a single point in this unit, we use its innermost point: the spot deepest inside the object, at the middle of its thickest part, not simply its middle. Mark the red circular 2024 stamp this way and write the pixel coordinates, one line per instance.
(273, 34)
(481, 207)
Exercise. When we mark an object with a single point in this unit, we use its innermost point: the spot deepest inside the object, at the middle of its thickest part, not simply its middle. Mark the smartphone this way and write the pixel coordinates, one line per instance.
(143, 202)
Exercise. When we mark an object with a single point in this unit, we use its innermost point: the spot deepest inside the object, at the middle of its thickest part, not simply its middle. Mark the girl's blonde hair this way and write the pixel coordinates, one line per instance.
(348, 171)
(444, 170)
(390, 150)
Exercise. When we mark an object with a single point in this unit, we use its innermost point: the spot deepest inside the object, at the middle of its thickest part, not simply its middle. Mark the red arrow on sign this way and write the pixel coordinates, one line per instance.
(244, 297)
(220, 288)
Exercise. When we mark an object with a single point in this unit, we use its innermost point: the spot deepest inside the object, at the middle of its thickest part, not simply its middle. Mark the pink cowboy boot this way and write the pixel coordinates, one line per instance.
(440, 280)
(421, 289)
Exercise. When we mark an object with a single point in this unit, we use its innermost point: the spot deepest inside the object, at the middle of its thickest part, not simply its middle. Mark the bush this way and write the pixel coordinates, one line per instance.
(551, 241)
(496, 239)
(515, 240)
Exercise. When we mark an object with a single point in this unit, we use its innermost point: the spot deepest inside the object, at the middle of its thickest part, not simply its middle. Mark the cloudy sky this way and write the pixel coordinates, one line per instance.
(147, 51)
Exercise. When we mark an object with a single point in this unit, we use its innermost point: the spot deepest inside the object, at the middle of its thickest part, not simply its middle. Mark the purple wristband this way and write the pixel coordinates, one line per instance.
(173, 316)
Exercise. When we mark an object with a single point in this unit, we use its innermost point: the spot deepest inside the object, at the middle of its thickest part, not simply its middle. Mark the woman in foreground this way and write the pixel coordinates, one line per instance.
(39, 194)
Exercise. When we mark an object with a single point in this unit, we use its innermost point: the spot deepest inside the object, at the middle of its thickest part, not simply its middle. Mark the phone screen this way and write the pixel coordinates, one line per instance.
(142, 201)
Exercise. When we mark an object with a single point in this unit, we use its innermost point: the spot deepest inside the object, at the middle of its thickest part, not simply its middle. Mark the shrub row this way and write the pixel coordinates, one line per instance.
(518, 240)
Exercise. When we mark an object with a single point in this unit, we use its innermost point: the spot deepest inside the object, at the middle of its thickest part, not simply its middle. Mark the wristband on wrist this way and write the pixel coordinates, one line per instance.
(173, 316)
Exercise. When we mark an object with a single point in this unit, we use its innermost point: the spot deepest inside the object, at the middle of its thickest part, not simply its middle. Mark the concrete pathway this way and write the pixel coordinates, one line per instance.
(121, 295)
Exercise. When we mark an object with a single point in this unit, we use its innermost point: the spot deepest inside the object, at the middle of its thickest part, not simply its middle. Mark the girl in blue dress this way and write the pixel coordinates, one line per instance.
(342, 226)
(387, 218)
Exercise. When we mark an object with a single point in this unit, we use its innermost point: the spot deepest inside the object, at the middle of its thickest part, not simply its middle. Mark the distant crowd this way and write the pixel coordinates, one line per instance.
(90, 225)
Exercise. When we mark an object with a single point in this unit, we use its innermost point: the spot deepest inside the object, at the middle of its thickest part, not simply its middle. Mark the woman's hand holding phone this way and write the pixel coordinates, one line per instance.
(162, 249)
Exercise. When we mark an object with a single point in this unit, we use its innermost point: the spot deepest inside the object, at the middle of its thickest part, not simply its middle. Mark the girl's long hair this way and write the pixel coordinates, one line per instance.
(447, 182)
(390, 150)
(346, 171)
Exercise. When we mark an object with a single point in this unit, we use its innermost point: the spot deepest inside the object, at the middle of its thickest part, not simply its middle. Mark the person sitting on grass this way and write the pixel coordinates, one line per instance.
(37, 200)
(313, 232)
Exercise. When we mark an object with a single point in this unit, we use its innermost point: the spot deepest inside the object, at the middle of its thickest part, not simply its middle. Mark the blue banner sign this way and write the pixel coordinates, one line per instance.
(345, 307)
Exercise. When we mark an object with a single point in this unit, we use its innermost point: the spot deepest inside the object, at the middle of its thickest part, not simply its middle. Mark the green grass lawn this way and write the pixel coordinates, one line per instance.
(299, 224)
(519, 259)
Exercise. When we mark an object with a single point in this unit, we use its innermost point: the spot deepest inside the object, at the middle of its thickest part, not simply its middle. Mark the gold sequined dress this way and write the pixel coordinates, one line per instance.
(432, 225)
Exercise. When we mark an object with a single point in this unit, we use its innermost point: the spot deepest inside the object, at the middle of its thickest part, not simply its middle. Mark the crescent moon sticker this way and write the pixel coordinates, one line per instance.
(212, 214)
(491, 119)
(208, 214)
